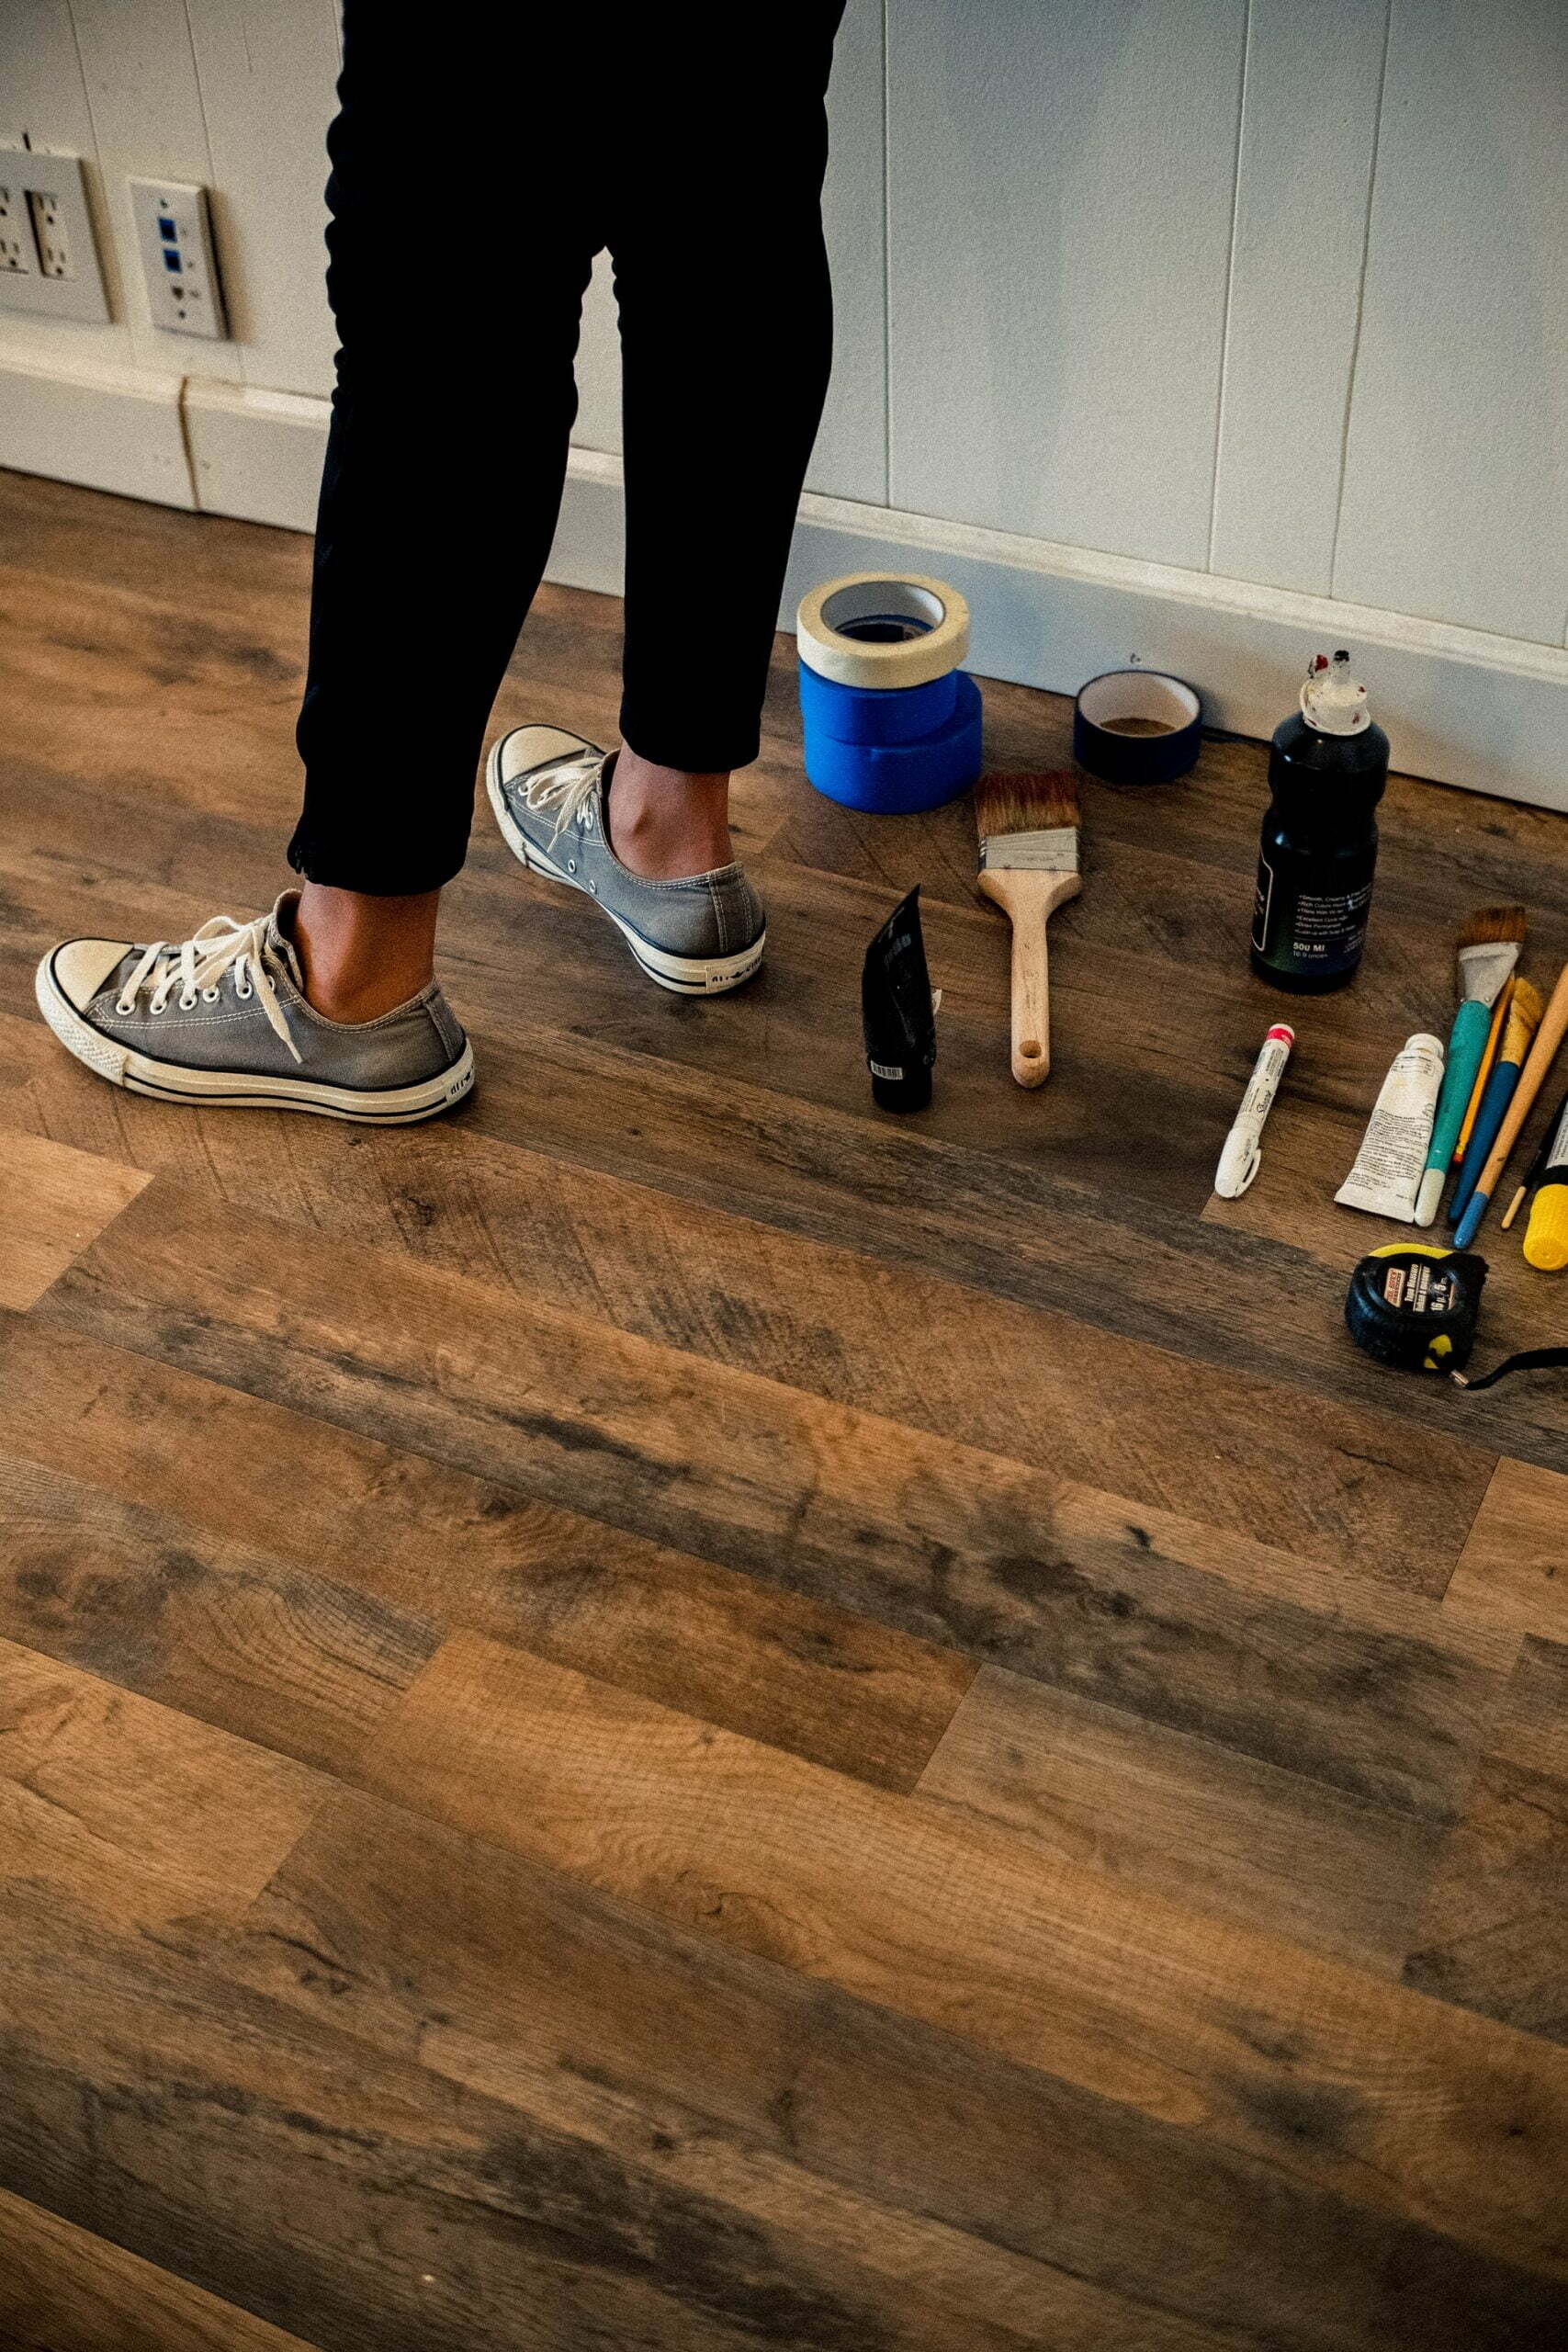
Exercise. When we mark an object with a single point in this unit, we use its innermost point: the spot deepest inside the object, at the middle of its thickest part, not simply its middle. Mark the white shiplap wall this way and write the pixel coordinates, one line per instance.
(1180, 327)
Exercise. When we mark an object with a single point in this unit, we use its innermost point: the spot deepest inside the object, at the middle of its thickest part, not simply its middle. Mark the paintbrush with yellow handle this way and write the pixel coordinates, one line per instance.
(1029, 863)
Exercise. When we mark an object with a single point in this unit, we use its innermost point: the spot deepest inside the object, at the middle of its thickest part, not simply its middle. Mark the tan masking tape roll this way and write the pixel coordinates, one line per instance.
(883, 629)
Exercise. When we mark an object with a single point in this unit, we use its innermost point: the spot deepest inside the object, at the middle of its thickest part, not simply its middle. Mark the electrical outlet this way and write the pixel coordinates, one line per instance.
(48, 258)
(50, 233)
(16, 233)
(173, 236)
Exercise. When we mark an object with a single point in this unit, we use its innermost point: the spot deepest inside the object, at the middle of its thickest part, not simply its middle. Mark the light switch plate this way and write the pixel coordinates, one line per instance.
(173, 236)
(49, 257)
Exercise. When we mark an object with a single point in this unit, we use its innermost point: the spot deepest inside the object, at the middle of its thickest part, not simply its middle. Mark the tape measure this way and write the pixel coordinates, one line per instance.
(1416, 1306)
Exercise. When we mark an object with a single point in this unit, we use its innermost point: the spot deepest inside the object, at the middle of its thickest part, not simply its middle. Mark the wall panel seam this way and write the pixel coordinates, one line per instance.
(1361, 300)
(1230, 285)
(200, 96)
(182, 410)
(88, 102)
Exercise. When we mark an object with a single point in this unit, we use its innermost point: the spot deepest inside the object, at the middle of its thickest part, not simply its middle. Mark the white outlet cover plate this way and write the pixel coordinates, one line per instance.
(28, 172)
(172, 227)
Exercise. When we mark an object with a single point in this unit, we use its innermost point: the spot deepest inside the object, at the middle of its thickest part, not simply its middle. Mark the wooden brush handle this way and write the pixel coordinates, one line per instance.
(1028, 901)
(1548, 1037)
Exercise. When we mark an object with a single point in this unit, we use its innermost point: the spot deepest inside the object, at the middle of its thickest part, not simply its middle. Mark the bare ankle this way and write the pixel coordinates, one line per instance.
(665, 823)
(363, 955)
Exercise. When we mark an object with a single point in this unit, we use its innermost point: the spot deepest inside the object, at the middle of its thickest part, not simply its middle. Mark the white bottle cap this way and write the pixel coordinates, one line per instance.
(1332, 700)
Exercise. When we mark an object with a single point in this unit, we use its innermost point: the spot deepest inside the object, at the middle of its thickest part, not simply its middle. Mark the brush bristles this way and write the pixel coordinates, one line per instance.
(1492, 926)
(1025, 804)
(1524, 1020)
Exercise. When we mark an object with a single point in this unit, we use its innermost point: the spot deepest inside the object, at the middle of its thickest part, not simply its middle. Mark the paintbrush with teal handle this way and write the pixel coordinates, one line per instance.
(1487, 949)
(1524, 1018)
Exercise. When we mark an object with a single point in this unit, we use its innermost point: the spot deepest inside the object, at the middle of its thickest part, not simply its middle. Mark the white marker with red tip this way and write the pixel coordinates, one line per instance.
(1241, 1159)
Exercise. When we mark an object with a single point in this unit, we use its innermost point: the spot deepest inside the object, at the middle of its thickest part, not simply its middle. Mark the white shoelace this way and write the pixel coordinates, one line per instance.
(567, 786)
(200, 963)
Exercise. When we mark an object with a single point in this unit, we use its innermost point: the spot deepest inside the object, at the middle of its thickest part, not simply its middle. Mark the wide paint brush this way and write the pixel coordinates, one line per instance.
(1029, 863)
(1487, 950)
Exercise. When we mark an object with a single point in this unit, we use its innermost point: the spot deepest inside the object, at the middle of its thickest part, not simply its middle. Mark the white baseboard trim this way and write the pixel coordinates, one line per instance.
(107, 427)
(1489, 713)
(256, 455)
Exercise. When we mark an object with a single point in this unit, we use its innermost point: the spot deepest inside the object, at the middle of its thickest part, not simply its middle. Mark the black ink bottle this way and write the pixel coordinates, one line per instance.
(1328, 769)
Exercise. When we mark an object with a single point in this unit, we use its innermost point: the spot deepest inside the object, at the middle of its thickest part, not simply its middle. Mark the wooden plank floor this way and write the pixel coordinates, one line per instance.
(669, 1713)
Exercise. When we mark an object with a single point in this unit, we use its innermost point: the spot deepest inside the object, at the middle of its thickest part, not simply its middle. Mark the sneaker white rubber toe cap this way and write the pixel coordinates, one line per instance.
(82, 965)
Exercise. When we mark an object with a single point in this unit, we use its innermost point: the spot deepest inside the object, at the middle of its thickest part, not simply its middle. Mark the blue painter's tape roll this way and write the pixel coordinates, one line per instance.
(896, 777)
(1164, 711)
(876, 713)
(891, 721)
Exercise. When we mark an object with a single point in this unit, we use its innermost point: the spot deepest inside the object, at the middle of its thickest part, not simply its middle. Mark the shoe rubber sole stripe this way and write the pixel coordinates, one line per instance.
(168, 1083)
(683, 974)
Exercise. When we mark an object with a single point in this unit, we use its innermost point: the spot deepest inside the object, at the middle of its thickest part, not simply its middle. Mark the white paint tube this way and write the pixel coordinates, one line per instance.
(1387, 1174)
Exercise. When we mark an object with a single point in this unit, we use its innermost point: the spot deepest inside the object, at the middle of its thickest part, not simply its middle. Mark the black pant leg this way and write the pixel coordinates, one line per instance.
(726, 326)
(447, 447)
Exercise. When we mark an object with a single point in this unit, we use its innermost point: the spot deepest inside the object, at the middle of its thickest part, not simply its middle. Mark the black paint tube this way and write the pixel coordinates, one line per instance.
(896, 1012)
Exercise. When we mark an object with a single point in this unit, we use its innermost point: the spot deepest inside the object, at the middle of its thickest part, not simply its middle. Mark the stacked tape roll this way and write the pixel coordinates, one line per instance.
(892, 724)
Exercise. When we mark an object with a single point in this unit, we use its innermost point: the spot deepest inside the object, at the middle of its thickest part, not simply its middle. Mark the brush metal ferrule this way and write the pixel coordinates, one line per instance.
(1485, 968)
(1052, 852)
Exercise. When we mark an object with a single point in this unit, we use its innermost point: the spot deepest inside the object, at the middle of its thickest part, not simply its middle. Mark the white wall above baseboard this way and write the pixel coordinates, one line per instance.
(1464, 707)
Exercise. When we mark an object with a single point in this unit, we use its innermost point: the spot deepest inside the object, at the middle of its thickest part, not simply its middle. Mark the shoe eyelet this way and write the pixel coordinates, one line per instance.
(571, 865)
(595, 888)
(245, 994)
(188, 1005)
(124, 1010)
(209, 996)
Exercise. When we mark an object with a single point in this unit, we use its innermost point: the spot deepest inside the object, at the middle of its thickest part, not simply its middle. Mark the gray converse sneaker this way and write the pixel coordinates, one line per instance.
(222, 1017)
(698, 935)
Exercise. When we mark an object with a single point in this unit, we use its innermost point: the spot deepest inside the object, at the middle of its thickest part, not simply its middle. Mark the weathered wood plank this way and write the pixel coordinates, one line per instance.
(319, 2183)
(536, 1986)
(1039, 1386)
(377, 1538)
(62, 2289)
(1245, 1840)
(92, 1777)
(1514, 1568)
(942, 1542)
(1495, 1934)
(1343, 2080)
(54, 1202)
(217, 1628)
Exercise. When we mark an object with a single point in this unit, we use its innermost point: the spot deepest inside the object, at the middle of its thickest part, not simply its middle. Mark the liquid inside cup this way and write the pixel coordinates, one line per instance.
(1135, 727)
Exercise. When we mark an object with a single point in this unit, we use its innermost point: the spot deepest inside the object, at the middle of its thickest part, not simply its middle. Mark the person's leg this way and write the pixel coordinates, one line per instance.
(727, 324)
(444, 470)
